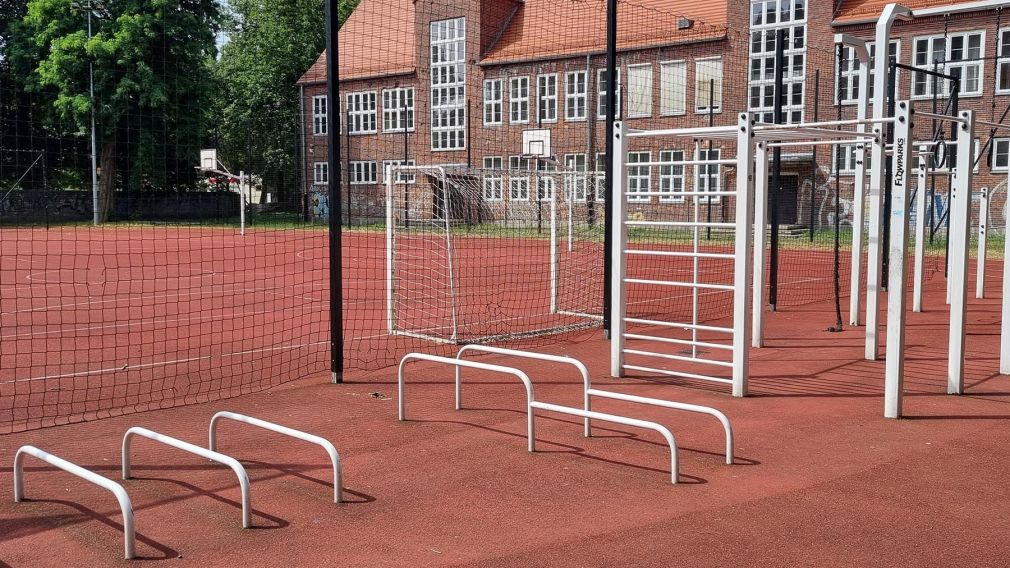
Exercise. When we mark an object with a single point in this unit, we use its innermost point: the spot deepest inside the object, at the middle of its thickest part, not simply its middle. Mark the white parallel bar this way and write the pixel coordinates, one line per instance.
(760, 244)
(453, 299)
(564, 360)
(554, 248)
(983, 245)
(726, 162)
(390, 251)
(671, 195)
(688, 224)
(894, 366)
(618, 261)
(834, 142)
(401, 403)
(125, 505)
(920, 242)
(946, 117)
(241, 203)
(722, 418)
(699, 286)
(680, 374)
(992, 124)
(662, 430)
(743, 264)
(1004, 344)
(687, 342)
(725, 132)
(960, 211)
(709, 255)
(695, 276)
(243, 478)
(683, 358)
(331, 451)
(678, 325)
(765, 126)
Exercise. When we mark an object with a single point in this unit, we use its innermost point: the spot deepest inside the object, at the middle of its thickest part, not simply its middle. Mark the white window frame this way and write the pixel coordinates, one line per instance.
(639, 175)
(576, 100)
(640, 91)
(766, 18)
(394, 115)
(494, 98)
(1003, 61)
(447, 40)
(320, 173)
(946, 65)
(320, 116)
(701, 87)
(673, 96)
(850, 71)
(601, 190)
(601, 100)
(519, 185)
(362, 112)
(519, 99)
(362, 172)
(547, 97)
(701, 178)
(576, 178)
(669, 176)
(493, 182)
(405, 178)
(844, 164)
(996, 143)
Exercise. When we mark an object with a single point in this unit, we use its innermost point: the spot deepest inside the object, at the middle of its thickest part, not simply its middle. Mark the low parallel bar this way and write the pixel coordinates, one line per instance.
(725, 132)
(687, 342)
(680, 374)
(686, 224)
(125, 505)
(710, 255)
(683, 358)
(677, 325)
(683, 163)
(700, 286)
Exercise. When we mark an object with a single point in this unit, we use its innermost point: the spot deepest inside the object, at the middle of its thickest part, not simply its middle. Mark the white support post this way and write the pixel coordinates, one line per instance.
(960, 211)
(241, 203)
(760, 242)
(920, 238)
(390, 251)
(859, 182)
(743, 253)
(874, 265)
(554, 245)
(983, 248)
(1004, 344)
(447, 214)
(894, 373)
(619, 268)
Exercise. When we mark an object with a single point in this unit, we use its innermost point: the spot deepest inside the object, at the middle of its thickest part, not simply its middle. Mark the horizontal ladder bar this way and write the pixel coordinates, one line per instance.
(683, 358)
(680, 374)
(687, 342)
(680, 325)
(719, 162)
(685, 224)
(712, 255)
(698, 285)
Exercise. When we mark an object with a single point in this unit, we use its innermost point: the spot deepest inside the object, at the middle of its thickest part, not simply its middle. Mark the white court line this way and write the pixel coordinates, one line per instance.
(127, 368)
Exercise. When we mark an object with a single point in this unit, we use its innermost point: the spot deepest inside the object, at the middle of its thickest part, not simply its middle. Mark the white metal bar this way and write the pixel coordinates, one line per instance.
(677, 194)
(679, 325)
(662, 430)
(331, 451)
(243, 478)
(554, 248)
(858, 211)
(894, 366)
(920, 242)
(695, 276)
(1004, 344)
(946, 117)
(766, 126)
(835, 142)
(680, 254)
(683, 358)
(618, 261)
(726, 162)
(698, 409)
(472, 365)
(960, 211)
(743, 264)
(125, 505)
(680, 374)
(760, 243)
(988, 124)
(241, 203)
(688, 342)
(390, 251)
(449, 255)
(564, 360)
(983, 245)
(685, 224)
(725, 132)
(723, 287)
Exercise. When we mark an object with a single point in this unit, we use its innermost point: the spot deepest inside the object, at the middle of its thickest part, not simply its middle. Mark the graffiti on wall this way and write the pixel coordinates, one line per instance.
(319, 205)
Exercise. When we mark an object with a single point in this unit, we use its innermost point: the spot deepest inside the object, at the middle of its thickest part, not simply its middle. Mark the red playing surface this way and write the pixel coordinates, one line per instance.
(821, 479)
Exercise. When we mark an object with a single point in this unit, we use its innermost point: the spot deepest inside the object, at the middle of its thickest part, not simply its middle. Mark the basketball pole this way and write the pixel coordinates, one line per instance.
(608, 166)
(333, 167)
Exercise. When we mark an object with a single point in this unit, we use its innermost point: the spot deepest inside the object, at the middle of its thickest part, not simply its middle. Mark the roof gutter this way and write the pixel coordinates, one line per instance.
(976, 6)
(345, 78)
(519, 60)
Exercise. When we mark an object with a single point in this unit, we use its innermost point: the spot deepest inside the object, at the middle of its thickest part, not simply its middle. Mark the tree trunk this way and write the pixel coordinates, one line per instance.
(107, 182)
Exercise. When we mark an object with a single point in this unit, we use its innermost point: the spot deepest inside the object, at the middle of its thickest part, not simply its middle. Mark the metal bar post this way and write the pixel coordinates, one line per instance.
(617, 202)
(609, 174)
(743, 263)
(983, 245)
(760, 243)
(333, 169)
(960, 214)
(895, 361)
(776, 183)
(920, 234)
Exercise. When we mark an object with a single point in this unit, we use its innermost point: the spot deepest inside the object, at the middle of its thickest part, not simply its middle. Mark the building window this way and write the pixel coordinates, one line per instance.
(398, 110)
(519, 100)
(845, 160)
(320, 173)
(640, 90)
(957, 54)
(639, 177)
(492, 101)
(547, 97)
(1001, 155)
(672, 88)
(847, 90)
(402, 177)
(575, 95)
(601, 94)
(601, 160)
(1003, 62)
(576, 179)
(519, 185)
(448, 84)
(320, 120)
(708, 85)
(671, 178)
(362, 173)
(492, 178)
(361, 112)
(707, 176)
(767, 17)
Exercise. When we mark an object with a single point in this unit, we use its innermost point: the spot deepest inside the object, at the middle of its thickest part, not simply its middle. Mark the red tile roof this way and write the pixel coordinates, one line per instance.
(868, 10)
(376, 40)
(553, 28)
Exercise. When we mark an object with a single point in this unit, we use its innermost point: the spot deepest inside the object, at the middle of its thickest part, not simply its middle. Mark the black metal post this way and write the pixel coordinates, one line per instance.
(776, 183)
(347, 134)
(333, 158)
(885, 239)
(608, 167)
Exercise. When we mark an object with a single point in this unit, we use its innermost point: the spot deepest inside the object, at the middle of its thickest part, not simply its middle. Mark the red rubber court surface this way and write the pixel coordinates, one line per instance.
(820, 480)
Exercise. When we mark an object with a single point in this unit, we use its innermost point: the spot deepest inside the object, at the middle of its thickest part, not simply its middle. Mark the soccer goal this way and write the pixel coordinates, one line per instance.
(490, 255)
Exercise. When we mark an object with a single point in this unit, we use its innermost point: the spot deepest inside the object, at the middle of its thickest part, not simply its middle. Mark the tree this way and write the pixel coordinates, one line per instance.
(152, 82)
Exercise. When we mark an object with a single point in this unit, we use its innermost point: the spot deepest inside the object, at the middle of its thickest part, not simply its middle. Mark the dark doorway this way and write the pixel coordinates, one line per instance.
(788, 197)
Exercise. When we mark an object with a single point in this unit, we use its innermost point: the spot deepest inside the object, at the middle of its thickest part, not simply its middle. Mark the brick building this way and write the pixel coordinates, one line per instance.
(457, 82)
